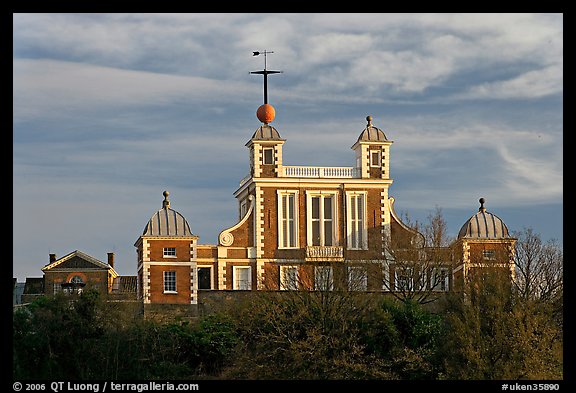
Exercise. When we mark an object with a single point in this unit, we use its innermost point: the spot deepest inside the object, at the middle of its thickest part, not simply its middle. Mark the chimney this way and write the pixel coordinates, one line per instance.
(52, 258)
(111, 259)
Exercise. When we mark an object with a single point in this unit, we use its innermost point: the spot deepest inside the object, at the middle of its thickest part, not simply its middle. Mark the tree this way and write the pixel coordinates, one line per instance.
(493, 333)
(417, 261)
(539, 267)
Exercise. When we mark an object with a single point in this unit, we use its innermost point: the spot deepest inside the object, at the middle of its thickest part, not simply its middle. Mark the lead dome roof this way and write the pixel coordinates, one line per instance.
(484, 225)
(167, 222)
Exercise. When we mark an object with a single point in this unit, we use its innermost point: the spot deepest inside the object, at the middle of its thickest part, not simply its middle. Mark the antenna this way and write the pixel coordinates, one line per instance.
(264, 72)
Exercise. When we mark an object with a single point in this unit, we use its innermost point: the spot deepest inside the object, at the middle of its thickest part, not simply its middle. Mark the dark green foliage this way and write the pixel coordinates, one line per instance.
(294, 335)
(500, 335)
(85, 338)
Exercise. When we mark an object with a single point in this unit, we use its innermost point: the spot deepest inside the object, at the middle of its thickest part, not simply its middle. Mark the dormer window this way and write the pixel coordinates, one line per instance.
(268, 154)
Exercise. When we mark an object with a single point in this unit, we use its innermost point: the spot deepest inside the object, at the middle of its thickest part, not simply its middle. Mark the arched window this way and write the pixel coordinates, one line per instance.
(77, 280)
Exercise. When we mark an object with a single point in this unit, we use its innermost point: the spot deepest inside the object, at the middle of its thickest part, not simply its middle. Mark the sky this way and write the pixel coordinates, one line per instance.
(110, 110)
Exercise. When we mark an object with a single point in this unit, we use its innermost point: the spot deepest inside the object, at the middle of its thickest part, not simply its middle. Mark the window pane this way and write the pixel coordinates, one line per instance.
(268, 156)
(290, 278)
(315, 207)
(170, 281)
(292, 233)
(323, 278)
(375, 158)
(328, 208)
(315, 233)
(328, 233)
(242, 278)
(285, 233)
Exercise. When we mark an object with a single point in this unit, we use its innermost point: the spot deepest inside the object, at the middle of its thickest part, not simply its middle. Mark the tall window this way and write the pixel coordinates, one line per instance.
(242, 276)
(322, 219)
(356, 221)
(287, 219)
(289, 278)
(323, 278)
(357, 278)
(170, 281)
(169, 251)
(440, 279)
(404, 278)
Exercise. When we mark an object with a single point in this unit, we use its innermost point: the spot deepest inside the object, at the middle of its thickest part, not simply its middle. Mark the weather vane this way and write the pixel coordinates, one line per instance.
(264, 72)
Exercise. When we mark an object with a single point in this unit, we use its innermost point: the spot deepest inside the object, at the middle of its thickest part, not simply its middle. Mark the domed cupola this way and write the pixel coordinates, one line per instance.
(484, 225)
(372, 153)
(167, 222)
(372, 133)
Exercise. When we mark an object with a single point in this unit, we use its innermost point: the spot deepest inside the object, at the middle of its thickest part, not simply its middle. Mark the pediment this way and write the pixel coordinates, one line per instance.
(77, 261)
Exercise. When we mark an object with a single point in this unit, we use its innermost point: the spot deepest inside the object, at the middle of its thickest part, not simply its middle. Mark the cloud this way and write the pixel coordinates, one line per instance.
(43, 87)
(109, 110)
(532, 84)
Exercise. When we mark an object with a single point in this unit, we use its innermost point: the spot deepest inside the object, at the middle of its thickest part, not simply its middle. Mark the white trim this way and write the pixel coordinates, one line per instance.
(235, 270)
(264, 150)
(280, 195)
(351, 225)
(167, 252)
(164, 282)
(378, 158)
(335, 232)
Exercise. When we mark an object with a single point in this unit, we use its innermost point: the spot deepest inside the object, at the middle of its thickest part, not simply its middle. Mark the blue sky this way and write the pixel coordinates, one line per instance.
(110, 110)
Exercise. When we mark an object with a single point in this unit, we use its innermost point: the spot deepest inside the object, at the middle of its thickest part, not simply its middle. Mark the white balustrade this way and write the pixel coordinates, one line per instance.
(324, 252)
(320, 172)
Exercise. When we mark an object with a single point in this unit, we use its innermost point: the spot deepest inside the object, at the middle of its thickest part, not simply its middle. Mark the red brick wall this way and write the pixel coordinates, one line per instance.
(207, 252)
(182, 250)
(94, 280)
(157, 294)
(373, 216)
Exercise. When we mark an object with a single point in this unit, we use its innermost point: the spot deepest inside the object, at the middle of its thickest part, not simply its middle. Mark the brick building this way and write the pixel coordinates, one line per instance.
(310, 228)
(77, 272)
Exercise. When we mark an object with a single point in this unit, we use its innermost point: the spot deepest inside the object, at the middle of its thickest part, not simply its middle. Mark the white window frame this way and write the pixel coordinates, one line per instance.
(357, 281)
(322, 195)
(378, 158)
(282, 236)
(264, 150)
(211, 276)
(288, 285)
(235, 283)
(167, 252)
(356, 224)
(489, 254)
(319, 278)
(397, 276)
(166, 282)
(435, 284)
